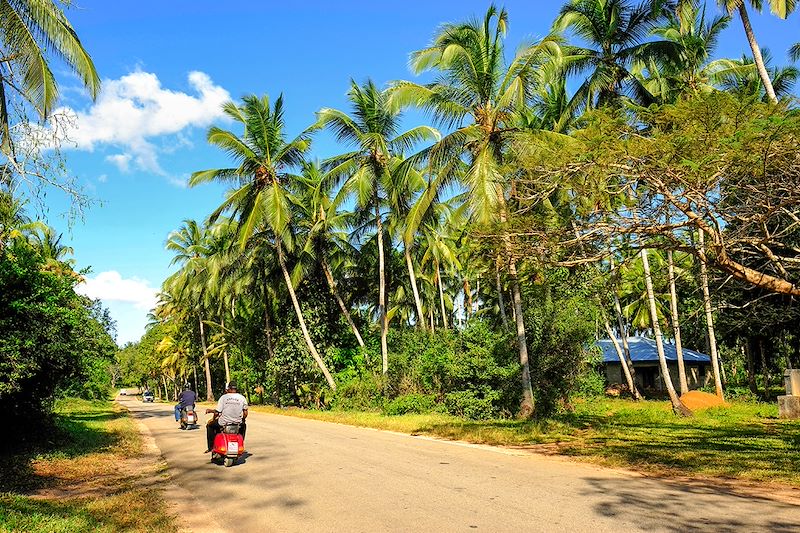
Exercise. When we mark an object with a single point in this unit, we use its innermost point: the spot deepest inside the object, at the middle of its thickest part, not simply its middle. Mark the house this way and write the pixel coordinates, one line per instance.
(648, 371)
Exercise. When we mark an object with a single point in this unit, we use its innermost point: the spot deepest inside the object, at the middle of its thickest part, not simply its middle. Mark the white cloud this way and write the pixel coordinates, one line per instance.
(122, 161)
(102, 178)
(110, 286)
(135, 109)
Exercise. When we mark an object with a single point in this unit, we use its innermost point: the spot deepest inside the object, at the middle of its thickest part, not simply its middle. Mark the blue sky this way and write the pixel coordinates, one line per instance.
(167, 66)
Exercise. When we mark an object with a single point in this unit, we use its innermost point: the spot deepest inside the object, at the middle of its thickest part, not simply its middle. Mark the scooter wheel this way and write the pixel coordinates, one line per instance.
(229, 461)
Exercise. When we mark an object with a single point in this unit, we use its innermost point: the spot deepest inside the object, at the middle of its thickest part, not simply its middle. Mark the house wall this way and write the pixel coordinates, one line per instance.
(649, 374)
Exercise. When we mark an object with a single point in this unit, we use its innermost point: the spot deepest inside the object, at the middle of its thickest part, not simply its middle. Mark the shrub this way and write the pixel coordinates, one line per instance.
(472, 404)
(410, 403)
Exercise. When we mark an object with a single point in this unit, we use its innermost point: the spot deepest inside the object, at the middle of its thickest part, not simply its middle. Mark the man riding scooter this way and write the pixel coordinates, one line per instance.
(186, 399)
(231, 409)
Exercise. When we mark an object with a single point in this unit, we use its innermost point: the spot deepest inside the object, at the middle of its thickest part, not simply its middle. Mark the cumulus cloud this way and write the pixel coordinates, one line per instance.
(110, 286)
(132, 111)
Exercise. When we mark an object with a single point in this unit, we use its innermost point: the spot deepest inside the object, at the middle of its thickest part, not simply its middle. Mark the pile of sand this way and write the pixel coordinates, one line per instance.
(695, 400)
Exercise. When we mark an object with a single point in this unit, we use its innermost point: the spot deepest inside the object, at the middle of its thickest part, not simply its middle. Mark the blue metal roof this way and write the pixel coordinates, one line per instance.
(644, 350)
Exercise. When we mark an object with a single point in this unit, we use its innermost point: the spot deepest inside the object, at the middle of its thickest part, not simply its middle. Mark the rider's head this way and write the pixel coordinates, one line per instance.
(230, 387)
(186, 386)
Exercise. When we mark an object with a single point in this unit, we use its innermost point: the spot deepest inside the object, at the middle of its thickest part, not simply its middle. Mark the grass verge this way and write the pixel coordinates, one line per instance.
(742, 441)
(84, 477)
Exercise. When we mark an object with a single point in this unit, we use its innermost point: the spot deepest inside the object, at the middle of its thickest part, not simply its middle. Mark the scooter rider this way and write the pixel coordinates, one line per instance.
(231, 409)
(187, 398)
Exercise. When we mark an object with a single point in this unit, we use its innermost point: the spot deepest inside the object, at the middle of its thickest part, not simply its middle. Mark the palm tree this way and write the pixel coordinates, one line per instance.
(373, 131)
(481, 96)
(322, 221)
(614, 32)
(691, 69)
(677, 404)
(189, 285)
(260, 198)
(781, 8)
(745, 82)
(30, 31)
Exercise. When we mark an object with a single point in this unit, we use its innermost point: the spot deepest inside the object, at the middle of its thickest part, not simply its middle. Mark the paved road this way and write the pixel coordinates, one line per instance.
(308, 476)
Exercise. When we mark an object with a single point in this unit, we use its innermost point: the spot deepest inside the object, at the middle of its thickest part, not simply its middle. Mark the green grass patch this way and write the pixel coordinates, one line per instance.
(743, 440)
(81, 477)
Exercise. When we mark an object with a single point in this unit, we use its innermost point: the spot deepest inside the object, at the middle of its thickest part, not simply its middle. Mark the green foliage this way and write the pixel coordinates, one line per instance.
(410, 403)
(50, 338)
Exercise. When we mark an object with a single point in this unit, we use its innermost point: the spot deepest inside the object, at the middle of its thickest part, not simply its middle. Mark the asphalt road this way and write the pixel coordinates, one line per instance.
(307, 476)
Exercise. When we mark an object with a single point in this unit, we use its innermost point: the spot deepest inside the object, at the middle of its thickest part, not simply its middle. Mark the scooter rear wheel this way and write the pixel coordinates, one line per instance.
(229, 461)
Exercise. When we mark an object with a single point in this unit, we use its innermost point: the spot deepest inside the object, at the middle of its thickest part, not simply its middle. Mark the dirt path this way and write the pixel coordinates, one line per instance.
(308, 476)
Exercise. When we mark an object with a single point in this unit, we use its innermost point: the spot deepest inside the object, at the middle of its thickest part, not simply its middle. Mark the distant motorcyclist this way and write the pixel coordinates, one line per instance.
(186, 398)
(231, 409)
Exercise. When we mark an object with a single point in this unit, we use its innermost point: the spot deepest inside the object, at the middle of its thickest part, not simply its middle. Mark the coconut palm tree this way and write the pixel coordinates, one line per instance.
(372, 130)
(745, 82)
(323, 221)
(32, 32)
(260, 199)
(780, 8)
(691, 69)
(480, 96)
(614, 33)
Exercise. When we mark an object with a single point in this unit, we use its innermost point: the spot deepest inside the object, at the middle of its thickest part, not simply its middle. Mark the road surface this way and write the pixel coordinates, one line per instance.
(308, 476)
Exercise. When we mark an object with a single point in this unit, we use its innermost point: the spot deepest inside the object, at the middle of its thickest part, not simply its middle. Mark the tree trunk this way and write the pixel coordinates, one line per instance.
(166, 391)
(209, 390)
(751, 366)
(332, 284)
(623, 332)
(677, 405)
(412, 276)
(622, 362)
(225, 355)
(712, 339)
(441, 296)
(501, 304)
(299, 312)
(433, 325)
(194, 371)
(467, 298)
(764, 368)
(676, 328)
(759, 60)
(382, 290)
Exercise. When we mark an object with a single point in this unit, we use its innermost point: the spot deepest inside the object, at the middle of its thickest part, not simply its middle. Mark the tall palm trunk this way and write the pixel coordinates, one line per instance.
(412, 276)
(500, 300)
(527, 406)
(676, 328)
(623, 331)
(712, 339)
(299, 312)
(332, 285)
(382, 290)
(759, 60)
(467, 298)
(621, 355)
(677, 404)
(209, 389)
(194, 371)
(225, 355)
(441, 296)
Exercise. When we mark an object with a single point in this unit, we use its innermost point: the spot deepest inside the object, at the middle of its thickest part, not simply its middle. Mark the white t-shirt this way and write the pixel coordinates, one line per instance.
(230, 407)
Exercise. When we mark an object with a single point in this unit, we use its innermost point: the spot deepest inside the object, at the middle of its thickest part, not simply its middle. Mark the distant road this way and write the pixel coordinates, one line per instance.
(308, 476)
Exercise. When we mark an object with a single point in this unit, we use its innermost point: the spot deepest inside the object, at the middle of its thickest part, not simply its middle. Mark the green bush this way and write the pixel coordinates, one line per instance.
(472, 404)
(362, 393)
(410, 403)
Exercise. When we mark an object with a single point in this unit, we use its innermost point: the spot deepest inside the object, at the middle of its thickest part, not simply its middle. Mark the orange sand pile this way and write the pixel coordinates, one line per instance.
(694, 400)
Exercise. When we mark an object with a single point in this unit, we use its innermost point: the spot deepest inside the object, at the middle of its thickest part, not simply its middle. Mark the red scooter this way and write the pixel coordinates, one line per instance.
(228, 445)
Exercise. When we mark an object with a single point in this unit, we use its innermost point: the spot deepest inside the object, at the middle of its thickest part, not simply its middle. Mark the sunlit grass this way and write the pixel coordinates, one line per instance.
(739, 441)
(83, 481)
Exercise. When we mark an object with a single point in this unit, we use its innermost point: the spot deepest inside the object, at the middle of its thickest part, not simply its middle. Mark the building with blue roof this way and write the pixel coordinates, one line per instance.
(648, 371)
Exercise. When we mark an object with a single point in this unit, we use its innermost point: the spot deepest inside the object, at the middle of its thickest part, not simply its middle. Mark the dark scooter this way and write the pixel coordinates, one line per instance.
(188, 417)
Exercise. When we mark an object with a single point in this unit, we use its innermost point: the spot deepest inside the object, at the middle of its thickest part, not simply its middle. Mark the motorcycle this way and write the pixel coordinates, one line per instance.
(188, 417)
(228, 445)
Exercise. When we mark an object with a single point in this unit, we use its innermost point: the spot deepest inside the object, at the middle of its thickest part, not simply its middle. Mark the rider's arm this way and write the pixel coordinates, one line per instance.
(244, 414)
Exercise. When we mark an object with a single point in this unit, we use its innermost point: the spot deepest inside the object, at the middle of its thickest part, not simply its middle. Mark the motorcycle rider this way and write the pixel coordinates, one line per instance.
(187, 398)
(231, 409)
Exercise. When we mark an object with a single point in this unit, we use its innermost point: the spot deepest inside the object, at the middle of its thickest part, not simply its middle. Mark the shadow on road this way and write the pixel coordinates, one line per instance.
(671, 505)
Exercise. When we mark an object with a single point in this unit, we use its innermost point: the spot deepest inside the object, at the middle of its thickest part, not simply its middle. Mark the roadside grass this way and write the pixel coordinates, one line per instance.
(741, 441)
(82, 477)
